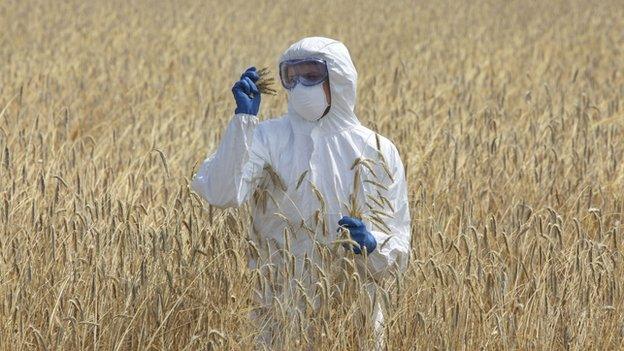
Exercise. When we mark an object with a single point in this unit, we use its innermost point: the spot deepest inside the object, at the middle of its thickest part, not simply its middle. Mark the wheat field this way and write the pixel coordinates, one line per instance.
(509, 117)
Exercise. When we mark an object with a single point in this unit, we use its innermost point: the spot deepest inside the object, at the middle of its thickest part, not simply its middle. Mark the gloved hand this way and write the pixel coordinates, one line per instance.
(246, 93)
(359, 234)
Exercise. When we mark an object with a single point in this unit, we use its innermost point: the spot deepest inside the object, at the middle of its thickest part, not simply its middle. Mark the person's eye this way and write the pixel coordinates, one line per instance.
(312, 76)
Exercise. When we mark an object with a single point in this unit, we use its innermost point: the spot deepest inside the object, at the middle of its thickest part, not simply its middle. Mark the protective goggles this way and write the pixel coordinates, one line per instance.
(308, 72)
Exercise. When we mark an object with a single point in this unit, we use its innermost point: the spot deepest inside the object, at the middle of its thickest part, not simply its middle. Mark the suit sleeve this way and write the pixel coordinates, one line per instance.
(393, 243)
(228, 177)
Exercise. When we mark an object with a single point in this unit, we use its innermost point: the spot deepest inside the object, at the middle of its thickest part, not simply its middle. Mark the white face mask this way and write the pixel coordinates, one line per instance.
(309, 102)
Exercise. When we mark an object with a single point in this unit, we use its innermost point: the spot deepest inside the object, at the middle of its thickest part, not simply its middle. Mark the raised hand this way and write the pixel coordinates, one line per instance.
(246, 93)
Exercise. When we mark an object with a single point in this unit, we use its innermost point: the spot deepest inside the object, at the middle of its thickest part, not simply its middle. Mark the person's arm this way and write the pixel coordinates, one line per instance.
(385, 232)
(229, 176)
(393, 250)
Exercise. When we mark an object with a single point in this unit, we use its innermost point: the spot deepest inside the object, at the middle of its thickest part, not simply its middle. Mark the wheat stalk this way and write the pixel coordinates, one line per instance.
(266, 83)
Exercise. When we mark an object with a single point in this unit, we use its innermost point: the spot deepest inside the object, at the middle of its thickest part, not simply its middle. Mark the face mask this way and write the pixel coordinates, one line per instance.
(309, 102)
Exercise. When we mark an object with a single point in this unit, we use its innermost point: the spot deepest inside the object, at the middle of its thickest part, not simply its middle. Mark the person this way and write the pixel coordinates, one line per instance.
(313, 174)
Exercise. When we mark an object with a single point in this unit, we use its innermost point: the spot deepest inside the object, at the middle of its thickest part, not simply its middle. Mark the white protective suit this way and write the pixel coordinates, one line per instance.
(312, 160)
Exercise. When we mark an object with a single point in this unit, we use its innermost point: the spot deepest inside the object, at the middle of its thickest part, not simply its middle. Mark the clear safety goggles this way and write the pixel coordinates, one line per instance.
(308, 72)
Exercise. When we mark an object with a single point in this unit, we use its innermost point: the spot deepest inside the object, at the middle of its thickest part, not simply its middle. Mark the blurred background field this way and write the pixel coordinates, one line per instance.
(509, 116)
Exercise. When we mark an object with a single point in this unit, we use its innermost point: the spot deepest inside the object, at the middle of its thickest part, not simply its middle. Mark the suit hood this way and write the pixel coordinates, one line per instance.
(342, 82)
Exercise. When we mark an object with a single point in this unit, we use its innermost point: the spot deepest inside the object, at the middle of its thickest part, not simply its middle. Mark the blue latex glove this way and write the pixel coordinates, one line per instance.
(246, 93)
(359, 234)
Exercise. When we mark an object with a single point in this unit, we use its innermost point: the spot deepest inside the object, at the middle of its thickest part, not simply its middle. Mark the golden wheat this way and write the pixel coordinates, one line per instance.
(508, 116)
